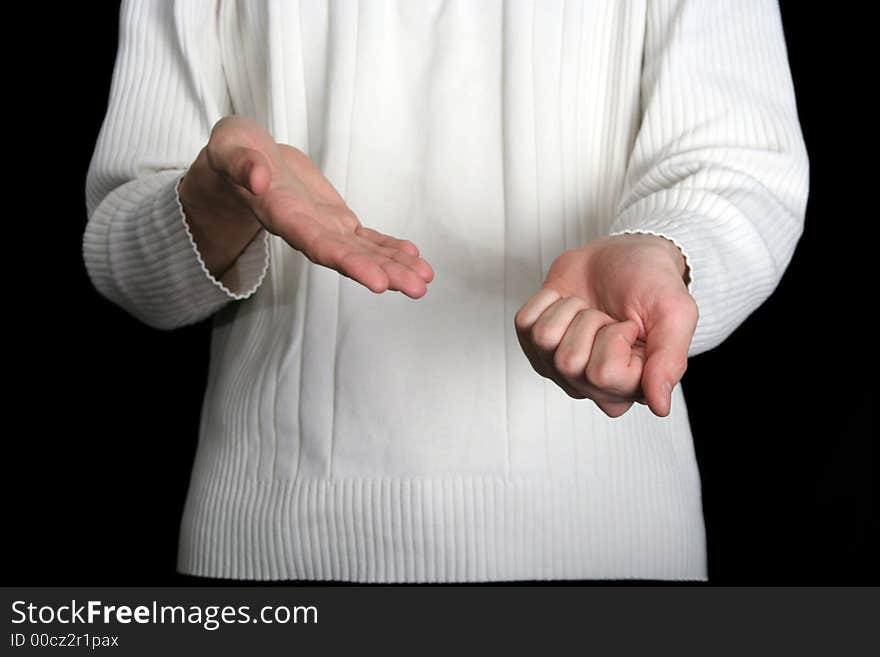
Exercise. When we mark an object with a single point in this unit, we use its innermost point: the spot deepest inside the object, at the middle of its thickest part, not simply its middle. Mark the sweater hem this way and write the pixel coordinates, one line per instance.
(450, 530)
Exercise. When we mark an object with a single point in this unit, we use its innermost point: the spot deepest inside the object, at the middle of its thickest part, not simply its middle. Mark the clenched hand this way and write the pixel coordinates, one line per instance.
(613, 322)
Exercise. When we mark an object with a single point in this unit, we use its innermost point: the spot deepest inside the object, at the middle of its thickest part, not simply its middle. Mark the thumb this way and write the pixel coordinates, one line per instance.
(240, 165)
(669, 330)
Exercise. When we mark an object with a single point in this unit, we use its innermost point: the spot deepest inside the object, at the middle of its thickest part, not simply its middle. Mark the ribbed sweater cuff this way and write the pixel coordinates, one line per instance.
(243, 278)
(141, 254)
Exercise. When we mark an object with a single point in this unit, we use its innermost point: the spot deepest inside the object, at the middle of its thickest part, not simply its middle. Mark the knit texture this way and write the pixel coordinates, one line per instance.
(352, 436)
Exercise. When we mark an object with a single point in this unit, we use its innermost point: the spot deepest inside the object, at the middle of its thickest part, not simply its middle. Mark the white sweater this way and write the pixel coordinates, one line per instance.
(347, 435)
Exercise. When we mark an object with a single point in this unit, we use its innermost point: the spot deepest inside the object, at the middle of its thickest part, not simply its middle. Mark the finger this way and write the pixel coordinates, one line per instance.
(669, 329)
(612, 367)
(573, 353)
(528, 314)
(638, 352)
(386, 240)
(404, 279)
(550, 327)
(525, 318)
(419, 265)
(614, 409)
(361, 267)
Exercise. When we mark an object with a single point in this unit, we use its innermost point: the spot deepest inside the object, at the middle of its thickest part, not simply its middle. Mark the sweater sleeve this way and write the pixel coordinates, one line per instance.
(719, 165)
(167, 91)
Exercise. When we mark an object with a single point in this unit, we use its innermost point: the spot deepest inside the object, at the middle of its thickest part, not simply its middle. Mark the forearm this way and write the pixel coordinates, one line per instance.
(719, 165)
(138, 251)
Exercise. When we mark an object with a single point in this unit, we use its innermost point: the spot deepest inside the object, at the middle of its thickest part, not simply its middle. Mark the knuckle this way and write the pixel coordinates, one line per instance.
(219, 127)
(687, 308)
(565, 360)
(217, 153)
(543, 336)
(212, 154)
(221, 134)
(601, 375)
(348, 219)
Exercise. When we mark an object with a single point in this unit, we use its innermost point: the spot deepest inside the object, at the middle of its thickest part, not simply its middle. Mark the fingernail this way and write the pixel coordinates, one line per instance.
(667, 388)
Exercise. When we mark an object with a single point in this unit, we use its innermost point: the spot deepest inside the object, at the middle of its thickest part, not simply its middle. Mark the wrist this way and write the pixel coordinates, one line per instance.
(675, 252)
(678, 257)
(220, 238)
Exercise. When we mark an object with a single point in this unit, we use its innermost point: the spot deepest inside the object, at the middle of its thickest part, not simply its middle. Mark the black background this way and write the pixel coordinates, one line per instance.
(104, 411)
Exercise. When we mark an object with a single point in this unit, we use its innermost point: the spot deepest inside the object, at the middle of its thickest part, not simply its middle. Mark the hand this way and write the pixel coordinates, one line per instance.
(243, 179)
(613, 322)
